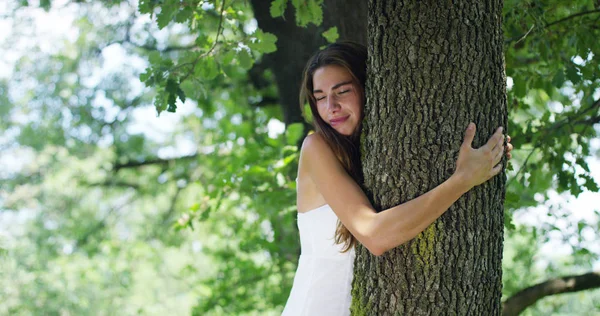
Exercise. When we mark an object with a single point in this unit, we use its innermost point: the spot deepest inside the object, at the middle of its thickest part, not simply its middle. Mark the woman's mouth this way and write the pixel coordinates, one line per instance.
(338, 120)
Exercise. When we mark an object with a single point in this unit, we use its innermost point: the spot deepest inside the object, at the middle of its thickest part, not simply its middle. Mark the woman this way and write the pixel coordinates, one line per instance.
(333, 211)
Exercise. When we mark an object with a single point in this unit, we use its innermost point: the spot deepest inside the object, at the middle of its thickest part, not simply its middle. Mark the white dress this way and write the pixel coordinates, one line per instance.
(324, 276)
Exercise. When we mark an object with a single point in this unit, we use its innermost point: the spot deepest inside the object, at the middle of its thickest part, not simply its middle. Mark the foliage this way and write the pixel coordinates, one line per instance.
(554, 102)
(105, 207)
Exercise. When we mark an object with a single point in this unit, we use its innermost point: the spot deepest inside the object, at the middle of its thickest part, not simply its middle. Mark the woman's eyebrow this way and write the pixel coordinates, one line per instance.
(334, 87)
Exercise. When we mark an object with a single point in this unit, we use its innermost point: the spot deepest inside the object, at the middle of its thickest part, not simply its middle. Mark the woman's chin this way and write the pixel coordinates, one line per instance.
(343, 131)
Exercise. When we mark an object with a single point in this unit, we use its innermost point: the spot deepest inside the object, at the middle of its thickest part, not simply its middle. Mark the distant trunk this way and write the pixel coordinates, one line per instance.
(433, 67)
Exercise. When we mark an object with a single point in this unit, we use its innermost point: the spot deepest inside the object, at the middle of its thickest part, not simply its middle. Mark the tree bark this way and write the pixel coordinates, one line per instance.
(433, 67)
(296, 44)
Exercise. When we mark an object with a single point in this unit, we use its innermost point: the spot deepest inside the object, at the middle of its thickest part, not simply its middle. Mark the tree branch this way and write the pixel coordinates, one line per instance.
(155, 161)
(572, 16)
(219, 30)
(127, 40)
(154, 48)
(112, 183)
(527, 297)
(575, 119)
(167, 215)
(522, 36)
(569, 120)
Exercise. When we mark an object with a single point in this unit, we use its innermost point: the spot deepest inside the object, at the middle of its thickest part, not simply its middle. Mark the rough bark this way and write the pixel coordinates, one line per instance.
(517, 303)
(433, 67)
(296, 44)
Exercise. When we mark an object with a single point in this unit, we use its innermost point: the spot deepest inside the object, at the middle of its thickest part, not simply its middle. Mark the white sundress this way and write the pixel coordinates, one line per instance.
(324, 276)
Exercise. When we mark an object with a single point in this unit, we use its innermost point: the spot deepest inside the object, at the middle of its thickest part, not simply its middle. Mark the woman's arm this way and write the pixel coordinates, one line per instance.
(382, 231)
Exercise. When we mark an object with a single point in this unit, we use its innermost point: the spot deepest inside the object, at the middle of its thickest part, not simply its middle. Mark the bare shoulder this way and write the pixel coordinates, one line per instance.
(315, 145)
(317, 156)
(308, 196)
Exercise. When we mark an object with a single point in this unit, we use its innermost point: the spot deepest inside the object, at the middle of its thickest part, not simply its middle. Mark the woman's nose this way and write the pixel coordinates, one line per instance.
(332, 103)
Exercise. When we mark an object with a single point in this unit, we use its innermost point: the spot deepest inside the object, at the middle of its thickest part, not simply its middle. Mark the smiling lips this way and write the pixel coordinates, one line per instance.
(339, 120)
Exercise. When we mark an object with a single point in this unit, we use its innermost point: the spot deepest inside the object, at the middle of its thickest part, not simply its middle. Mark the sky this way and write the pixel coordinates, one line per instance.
(39, 34)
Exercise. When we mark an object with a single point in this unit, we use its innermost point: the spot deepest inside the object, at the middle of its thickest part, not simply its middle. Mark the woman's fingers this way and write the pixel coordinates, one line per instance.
(500, 144)
(498, 148)
(498, 153)
(509, 147)
(496, 170)
(469, 135)
(495, 139)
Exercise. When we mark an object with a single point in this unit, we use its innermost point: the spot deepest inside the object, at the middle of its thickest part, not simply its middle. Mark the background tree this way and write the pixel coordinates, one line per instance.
(106, 207)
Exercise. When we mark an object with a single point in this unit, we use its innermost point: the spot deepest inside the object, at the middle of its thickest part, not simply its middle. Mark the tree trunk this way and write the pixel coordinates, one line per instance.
(433, 67)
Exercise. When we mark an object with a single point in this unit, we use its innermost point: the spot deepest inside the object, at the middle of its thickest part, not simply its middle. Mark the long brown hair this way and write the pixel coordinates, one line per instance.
(352, 57)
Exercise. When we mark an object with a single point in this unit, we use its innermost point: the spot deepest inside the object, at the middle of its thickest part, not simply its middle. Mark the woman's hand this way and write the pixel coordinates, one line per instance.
(475, 166)
(509, 147)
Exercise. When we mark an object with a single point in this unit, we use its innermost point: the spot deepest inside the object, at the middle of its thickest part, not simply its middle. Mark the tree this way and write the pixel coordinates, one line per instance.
(432, 70)
(194, 211)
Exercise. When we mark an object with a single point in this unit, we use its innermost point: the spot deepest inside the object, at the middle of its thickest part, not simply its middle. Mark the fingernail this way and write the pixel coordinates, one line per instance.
(501, 129)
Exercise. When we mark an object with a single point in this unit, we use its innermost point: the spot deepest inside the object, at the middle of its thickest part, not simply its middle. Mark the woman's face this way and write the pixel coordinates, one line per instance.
(338, 98)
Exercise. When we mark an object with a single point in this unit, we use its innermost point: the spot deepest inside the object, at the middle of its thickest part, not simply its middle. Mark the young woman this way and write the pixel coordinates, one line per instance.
(333, 212)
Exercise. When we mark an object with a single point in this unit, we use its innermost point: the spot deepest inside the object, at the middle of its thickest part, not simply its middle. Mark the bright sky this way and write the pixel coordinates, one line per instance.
(146, 121)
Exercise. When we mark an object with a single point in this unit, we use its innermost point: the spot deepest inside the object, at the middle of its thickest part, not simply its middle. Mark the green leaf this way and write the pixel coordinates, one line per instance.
(184, 15)
(244, 59)
(181, 94)
(167, 11)
(172, 100)
(308, 11)
(289, 159)
(162, 20)
(293, 133)
(278, 8)
(45, 4)
(582, 251)
(146, 6)
(193, 89)
(508, 221)
(559, 79)
(154, 58)
(315, 11)
(264, 42)
(582, 163)
(519, 86)
(331, 35)
(590, 183)
(228, 57)
(160, 102)
(563, 181)
(171, 86)
(145, 76)
(173, 90)
(306, 113)
(207, 68)
(573, 74)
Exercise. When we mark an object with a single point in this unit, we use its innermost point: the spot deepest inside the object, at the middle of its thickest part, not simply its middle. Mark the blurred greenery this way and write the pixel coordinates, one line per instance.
(108, 209)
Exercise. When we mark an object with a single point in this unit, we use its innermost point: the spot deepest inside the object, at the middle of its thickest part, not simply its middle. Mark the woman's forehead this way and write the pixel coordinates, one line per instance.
(326, 77)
